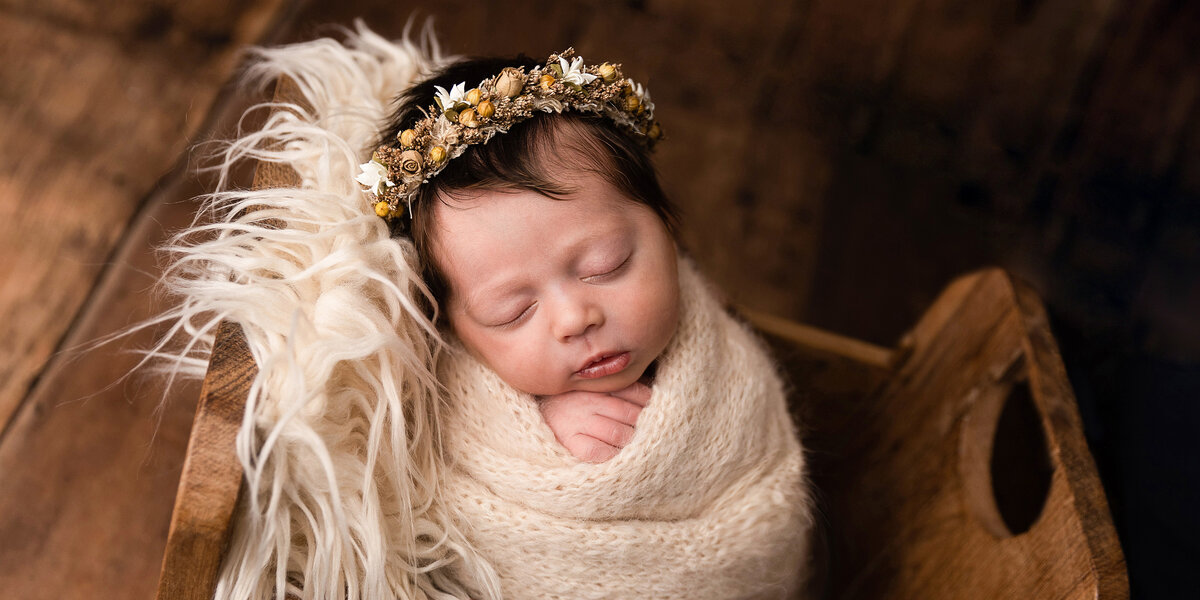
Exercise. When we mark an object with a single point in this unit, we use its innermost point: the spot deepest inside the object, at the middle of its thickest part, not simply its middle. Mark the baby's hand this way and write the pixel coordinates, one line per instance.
(594, 426)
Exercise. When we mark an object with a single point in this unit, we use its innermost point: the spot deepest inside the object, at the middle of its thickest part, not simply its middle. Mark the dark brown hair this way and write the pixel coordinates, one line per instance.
(524, 158)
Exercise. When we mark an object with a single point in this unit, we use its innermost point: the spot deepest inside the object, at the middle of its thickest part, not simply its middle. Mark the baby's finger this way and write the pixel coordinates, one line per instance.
(638, 393)
(613, 433)
(617, 409)
(589, 449)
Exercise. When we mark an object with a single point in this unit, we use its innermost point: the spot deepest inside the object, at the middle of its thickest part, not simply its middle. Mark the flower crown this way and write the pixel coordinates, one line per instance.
(461, 118)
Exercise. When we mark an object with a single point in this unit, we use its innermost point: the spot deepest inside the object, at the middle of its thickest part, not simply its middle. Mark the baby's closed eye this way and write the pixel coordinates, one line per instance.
(515, 316)
(607, 269)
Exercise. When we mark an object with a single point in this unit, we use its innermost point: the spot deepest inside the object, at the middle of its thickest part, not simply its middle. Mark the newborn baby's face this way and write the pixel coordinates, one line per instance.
(559, 295)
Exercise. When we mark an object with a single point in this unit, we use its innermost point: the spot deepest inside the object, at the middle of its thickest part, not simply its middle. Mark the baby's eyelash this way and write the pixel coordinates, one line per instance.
(516, 319)
(611, 271)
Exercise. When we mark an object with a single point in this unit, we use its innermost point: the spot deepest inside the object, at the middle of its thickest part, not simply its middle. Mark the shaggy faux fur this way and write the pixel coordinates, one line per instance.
(339, 440)
(708, 501)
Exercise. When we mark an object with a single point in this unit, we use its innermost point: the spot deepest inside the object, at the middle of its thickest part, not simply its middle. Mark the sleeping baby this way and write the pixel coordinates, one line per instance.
(485, 368)
(610, 431)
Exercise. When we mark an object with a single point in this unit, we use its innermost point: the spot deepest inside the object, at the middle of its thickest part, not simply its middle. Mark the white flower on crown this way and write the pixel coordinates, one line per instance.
(574, 73)
(643, 96)
(456, 95)
(373, 175)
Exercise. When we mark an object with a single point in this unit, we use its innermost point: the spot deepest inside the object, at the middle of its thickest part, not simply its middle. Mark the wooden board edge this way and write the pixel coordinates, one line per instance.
(211, 481)
(1063, 423)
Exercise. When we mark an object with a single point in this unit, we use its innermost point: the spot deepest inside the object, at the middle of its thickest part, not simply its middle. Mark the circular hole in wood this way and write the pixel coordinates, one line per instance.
(1020, 464)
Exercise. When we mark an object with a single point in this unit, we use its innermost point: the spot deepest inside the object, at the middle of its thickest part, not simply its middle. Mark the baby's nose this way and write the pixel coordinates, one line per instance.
(576, 317)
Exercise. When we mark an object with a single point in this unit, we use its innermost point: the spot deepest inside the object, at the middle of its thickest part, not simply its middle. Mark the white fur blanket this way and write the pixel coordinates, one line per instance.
(708, 501)
(339, 440)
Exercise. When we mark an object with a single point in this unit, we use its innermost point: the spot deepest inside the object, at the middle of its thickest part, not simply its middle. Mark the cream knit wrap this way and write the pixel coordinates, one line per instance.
(707, 501)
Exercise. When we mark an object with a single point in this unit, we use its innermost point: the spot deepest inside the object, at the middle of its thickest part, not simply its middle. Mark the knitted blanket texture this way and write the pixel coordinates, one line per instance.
(366, 478)
(707, 501)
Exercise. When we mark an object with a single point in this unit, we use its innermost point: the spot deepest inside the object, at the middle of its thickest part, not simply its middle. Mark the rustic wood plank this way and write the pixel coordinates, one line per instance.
(202, 519)
(940, 124)
(89, 471)
(1056, 401)
(820, 341)
(929, 485)
(97, 102)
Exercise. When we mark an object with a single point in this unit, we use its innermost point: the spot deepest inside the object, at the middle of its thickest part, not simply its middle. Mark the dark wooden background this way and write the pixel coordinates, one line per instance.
(837, 162)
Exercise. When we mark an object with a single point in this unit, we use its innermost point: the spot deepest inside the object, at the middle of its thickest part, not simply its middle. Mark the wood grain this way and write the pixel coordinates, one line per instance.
(931, 489)
(817, 340)
(201, 522)
(89, 471)
(1059, 139)
(97, 102)
(89, 462)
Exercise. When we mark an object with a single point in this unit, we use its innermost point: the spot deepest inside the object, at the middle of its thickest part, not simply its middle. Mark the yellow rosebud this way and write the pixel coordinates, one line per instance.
(547, 81)
(382, 209)
(486, 109)
(396, 212)
(474, 96)
(407, 137)
(632, 104)
(437, 155)
(608, 73)
(654, 132)
(468, 118)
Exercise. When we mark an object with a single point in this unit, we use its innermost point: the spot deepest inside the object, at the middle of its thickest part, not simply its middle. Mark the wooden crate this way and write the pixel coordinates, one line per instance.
(951, 466)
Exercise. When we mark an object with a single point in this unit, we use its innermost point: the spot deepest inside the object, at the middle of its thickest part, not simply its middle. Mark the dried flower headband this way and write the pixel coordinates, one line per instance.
(461, 118)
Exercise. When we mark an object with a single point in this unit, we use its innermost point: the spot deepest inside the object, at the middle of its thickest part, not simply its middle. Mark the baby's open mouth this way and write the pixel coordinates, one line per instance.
(604, 365)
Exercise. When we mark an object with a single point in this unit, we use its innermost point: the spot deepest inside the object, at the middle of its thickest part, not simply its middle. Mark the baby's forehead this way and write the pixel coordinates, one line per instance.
(588, 208)
(498, 234)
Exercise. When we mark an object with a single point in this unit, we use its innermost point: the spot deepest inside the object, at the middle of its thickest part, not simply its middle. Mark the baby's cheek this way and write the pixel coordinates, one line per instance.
(501, 353)
(530, 370)
(667, 311)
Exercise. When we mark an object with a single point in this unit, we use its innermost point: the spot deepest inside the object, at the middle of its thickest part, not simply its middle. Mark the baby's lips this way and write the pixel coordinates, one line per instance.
(605, 364)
